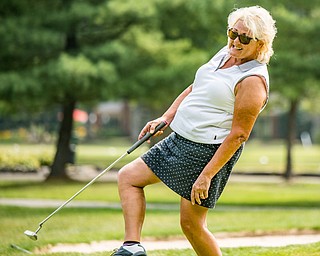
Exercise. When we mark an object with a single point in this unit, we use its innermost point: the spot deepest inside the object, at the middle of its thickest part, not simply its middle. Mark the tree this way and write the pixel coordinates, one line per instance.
(66, 52)
(166, 53)
(295, 66)
(46, 60)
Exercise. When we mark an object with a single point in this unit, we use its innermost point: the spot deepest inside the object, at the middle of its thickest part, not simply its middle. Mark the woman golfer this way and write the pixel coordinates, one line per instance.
(210, 119)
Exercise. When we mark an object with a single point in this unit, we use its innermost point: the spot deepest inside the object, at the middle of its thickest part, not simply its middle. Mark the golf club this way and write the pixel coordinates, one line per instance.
(14, 246)
(34, 235)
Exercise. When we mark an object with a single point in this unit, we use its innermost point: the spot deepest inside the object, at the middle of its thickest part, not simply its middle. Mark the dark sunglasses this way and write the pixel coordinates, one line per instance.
(243, 38)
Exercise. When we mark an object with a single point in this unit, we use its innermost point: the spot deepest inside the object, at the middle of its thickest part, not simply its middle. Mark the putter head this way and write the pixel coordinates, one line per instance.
(32, 235)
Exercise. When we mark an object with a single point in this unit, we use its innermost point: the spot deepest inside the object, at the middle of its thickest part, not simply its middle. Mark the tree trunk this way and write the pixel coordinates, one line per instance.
(291, 135)
(65, 152)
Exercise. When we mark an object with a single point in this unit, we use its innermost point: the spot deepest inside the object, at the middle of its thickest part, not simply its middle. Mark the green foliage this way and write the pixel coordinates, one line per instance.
(161, 63)
(297, 55)
(16, 91)
(149, 49)
(71, 52)
(83, 80)
(23, 163)
(19, 158)
(138, 46)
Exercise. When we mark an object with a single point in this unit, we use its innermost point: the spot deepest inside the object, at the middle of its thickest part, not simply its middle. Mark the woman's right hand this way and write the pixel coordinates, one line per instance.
(151, 126)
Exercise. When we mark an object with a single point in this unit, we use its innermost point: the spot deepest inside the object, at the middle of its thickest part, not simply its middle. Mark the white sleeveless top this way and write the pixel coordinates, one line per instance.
(205, 115)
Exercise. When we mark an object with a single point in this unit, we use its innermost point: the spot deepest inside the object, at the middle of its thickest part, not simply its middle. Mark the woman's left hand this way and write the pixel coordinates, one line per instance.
(200, 189)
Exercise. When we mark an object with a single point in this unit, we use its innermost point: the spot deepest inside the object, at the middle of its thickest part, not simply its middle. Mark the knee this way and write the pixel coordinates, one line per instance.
(123, 175)
(189, 226)
(136, 174)
(130, 175)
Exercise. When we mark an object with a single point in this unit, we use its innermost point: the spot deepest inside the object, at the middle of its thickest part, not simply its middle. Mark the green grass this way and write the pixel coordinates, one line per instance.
(104, 154)
(98, 154)
(252, 208)
(271, 157)
(271, 194)
(293, 250)
(75, 225)
(244, 207)
(235, 194)
(257, 156)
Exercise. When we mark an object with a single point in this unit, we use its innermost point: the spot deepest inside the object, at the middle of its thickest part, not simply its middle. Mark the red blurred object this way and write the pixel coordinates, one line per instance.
(80, 116)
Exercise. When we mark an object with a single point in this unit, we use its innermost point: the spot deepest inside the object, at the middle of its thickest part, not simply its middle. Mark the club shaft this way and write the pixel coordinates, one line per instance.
(147, 136)
(81, 190)
(20, 249)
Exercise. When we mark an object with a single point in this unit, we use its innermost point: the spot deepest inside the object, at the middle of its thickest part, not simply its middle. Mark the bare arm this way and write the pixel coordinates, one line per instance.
(168, 115)
(250, 97)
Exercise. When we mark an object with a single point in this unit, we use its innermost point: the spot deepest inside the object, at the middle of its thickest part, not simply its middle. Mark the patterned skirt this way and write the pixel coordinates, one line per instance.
(178, 162)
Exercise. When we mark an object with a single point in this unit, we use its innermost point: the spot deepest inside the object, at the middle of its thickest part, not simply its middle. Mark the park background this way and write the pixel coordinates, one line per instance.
(78, 80)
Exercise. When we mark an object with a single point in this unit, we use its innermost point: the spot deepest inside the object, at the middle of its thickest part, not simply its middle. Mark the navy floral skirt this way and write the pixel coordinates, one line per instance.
(178, 162)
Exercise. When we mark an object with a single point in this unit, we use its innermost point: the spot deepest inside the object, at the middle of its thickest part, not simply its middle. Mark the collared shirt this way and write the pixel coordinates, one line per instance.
(205, 115)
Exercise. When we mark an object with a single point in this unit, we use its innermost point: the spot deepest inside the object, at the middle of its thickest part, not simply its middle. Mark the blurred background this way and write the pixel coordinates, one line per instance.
(87, 72)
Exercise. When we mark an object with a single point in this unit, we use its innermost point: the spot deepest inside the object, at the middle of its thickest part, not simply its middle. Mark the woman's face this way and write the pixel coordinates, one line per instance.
(239, 50)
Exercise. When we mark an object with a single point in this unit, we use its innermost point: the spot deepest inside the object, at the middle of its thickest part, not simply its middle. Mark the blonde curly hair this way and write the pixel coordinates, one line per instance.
(262, 26)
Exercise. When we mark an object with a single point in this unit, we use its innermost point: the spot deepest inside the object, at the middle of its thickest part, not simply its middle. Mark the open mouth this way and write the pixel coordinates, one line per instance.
(237, 48)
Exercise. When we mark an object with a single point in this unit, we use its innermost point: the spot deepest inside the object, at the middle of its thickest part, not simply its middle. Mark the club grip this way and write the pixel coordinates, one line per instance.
(147, 136)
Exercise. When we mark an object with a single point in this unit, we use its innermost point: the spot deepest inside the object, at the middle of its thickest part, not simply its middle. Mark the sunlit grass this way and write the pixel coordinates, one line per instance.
(83, 225)
(292, 250)
(256, 157)
(271, 157)
(236, 193)
(253, 208)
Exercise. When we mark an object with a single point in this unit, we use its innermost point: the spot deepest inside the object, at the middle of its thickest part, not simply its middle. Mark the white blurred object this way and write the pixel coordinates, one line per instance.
(306, 139)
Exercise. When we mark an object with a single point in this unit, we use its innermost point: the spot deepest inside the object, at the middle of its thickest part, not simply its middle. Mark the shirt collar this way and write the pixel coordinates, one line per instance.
(243, 67)
(249, 65)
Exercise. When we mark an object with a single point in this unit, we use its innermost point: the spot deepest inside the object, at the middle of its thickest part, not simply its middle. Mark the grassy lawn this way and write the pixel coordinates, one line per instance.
(75, 225)
(253, 208)
(244, 207)
(270, 157)
(236, 193)
(257, 156)
(99, 154)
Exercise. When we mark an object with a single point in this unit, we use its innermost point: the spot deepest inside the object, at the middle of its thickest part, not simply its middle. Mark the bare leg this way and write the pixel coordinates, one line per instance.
(132, 178)
(194, 225)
